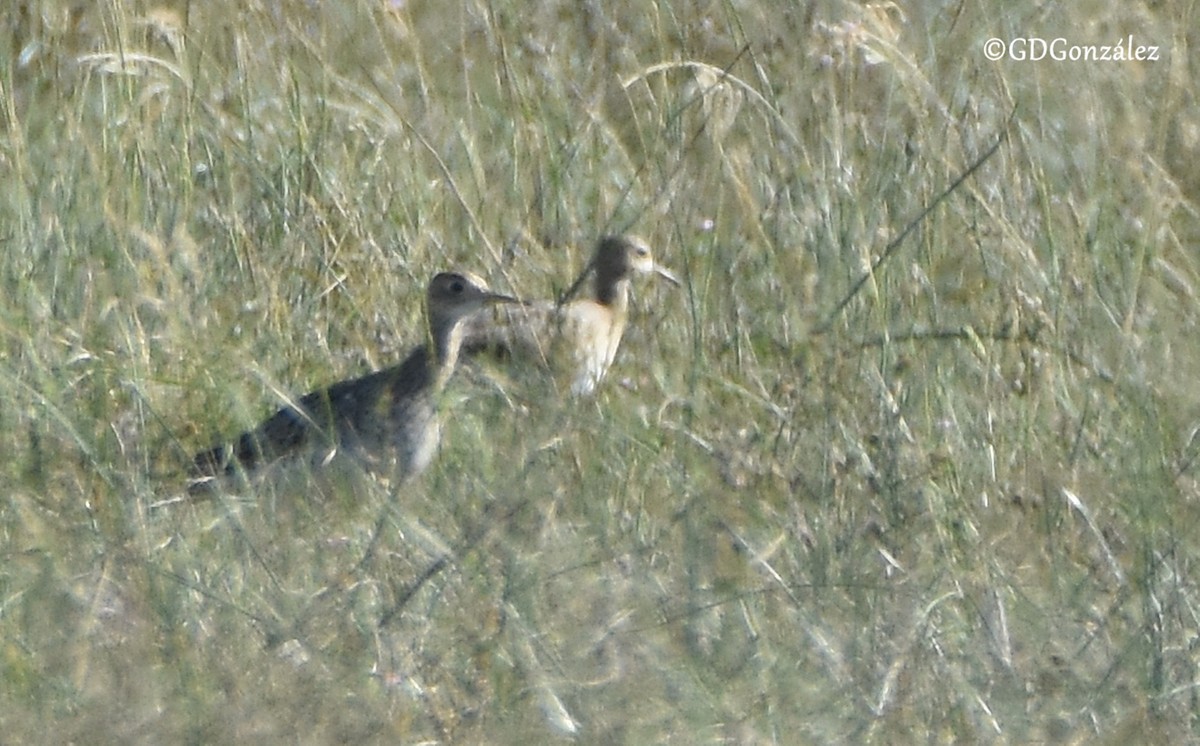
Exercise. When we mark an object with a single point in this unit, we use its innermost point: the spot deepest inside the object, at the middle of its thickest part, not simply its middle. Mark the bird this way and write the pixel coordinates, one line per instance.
(581, 334)
(387, 421)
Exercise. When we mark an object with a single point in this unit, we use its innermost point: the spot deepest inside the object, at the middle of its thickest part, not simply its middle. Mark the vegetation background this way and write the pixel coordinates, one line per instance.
(963, 506)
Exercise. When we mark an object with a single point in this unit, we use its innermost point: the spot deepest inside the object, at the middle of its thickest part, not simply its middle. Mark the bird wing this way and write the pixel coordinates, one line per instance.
(349, 410)
(578, 339)
(286, 431)
(527, 331)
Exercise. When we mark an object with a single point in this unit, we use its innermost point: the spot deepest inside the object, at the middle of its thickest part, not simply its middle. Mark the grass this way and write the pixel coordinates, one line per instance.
(960, 506)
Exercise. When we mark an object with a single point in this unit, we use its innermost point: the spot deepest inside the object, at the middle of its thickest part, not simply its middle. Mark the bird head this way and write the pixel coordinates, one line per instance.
(619, 257)
(453, 296)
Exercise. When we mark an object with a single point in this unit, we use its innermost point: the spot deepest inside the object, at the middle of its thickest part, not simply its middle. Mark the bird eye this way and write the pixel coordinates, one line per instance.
(457, 286)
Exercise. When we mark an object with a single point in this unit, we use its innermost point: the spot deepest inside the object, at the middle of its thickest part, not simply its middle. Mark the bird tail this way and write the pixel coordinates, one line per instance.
(222, 461)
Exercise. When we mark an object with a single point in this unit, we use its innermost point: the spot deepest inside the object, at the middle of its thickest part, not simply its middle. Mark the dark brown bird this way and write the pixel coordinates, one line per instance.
(581, 335)
(387, 420)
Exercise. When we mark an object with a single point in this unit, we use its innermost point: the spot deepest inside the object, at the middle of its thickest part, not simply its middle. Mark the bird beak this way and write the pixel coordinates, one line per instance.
(666, 274)
(495, 299)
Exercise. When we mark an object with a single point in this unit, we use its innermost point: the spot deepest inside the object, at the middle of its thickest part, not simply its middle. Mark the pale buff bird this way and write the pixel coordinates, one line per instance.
(387, 420)
(581, 335)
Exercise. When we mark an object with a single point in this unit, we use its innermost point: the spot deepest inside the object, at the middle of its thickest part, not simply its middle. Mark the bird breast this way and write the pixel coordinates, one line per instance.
(593, 332)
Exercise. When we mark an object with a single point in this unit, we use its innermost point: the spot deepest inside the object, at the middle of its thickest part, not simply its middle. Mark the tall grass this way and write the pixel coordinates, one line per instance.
(960, 506)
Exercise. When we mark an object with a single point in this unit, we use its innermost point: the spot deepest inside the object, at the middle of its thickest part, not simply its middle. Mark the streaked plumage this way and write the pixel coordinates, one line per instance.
(581, 335)
(387, 420)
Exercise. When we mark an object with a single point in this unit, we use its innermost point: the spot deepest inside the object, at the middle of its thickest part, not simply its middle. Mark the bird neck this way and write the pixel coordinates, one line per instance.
(445, 346)
(612, 292)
